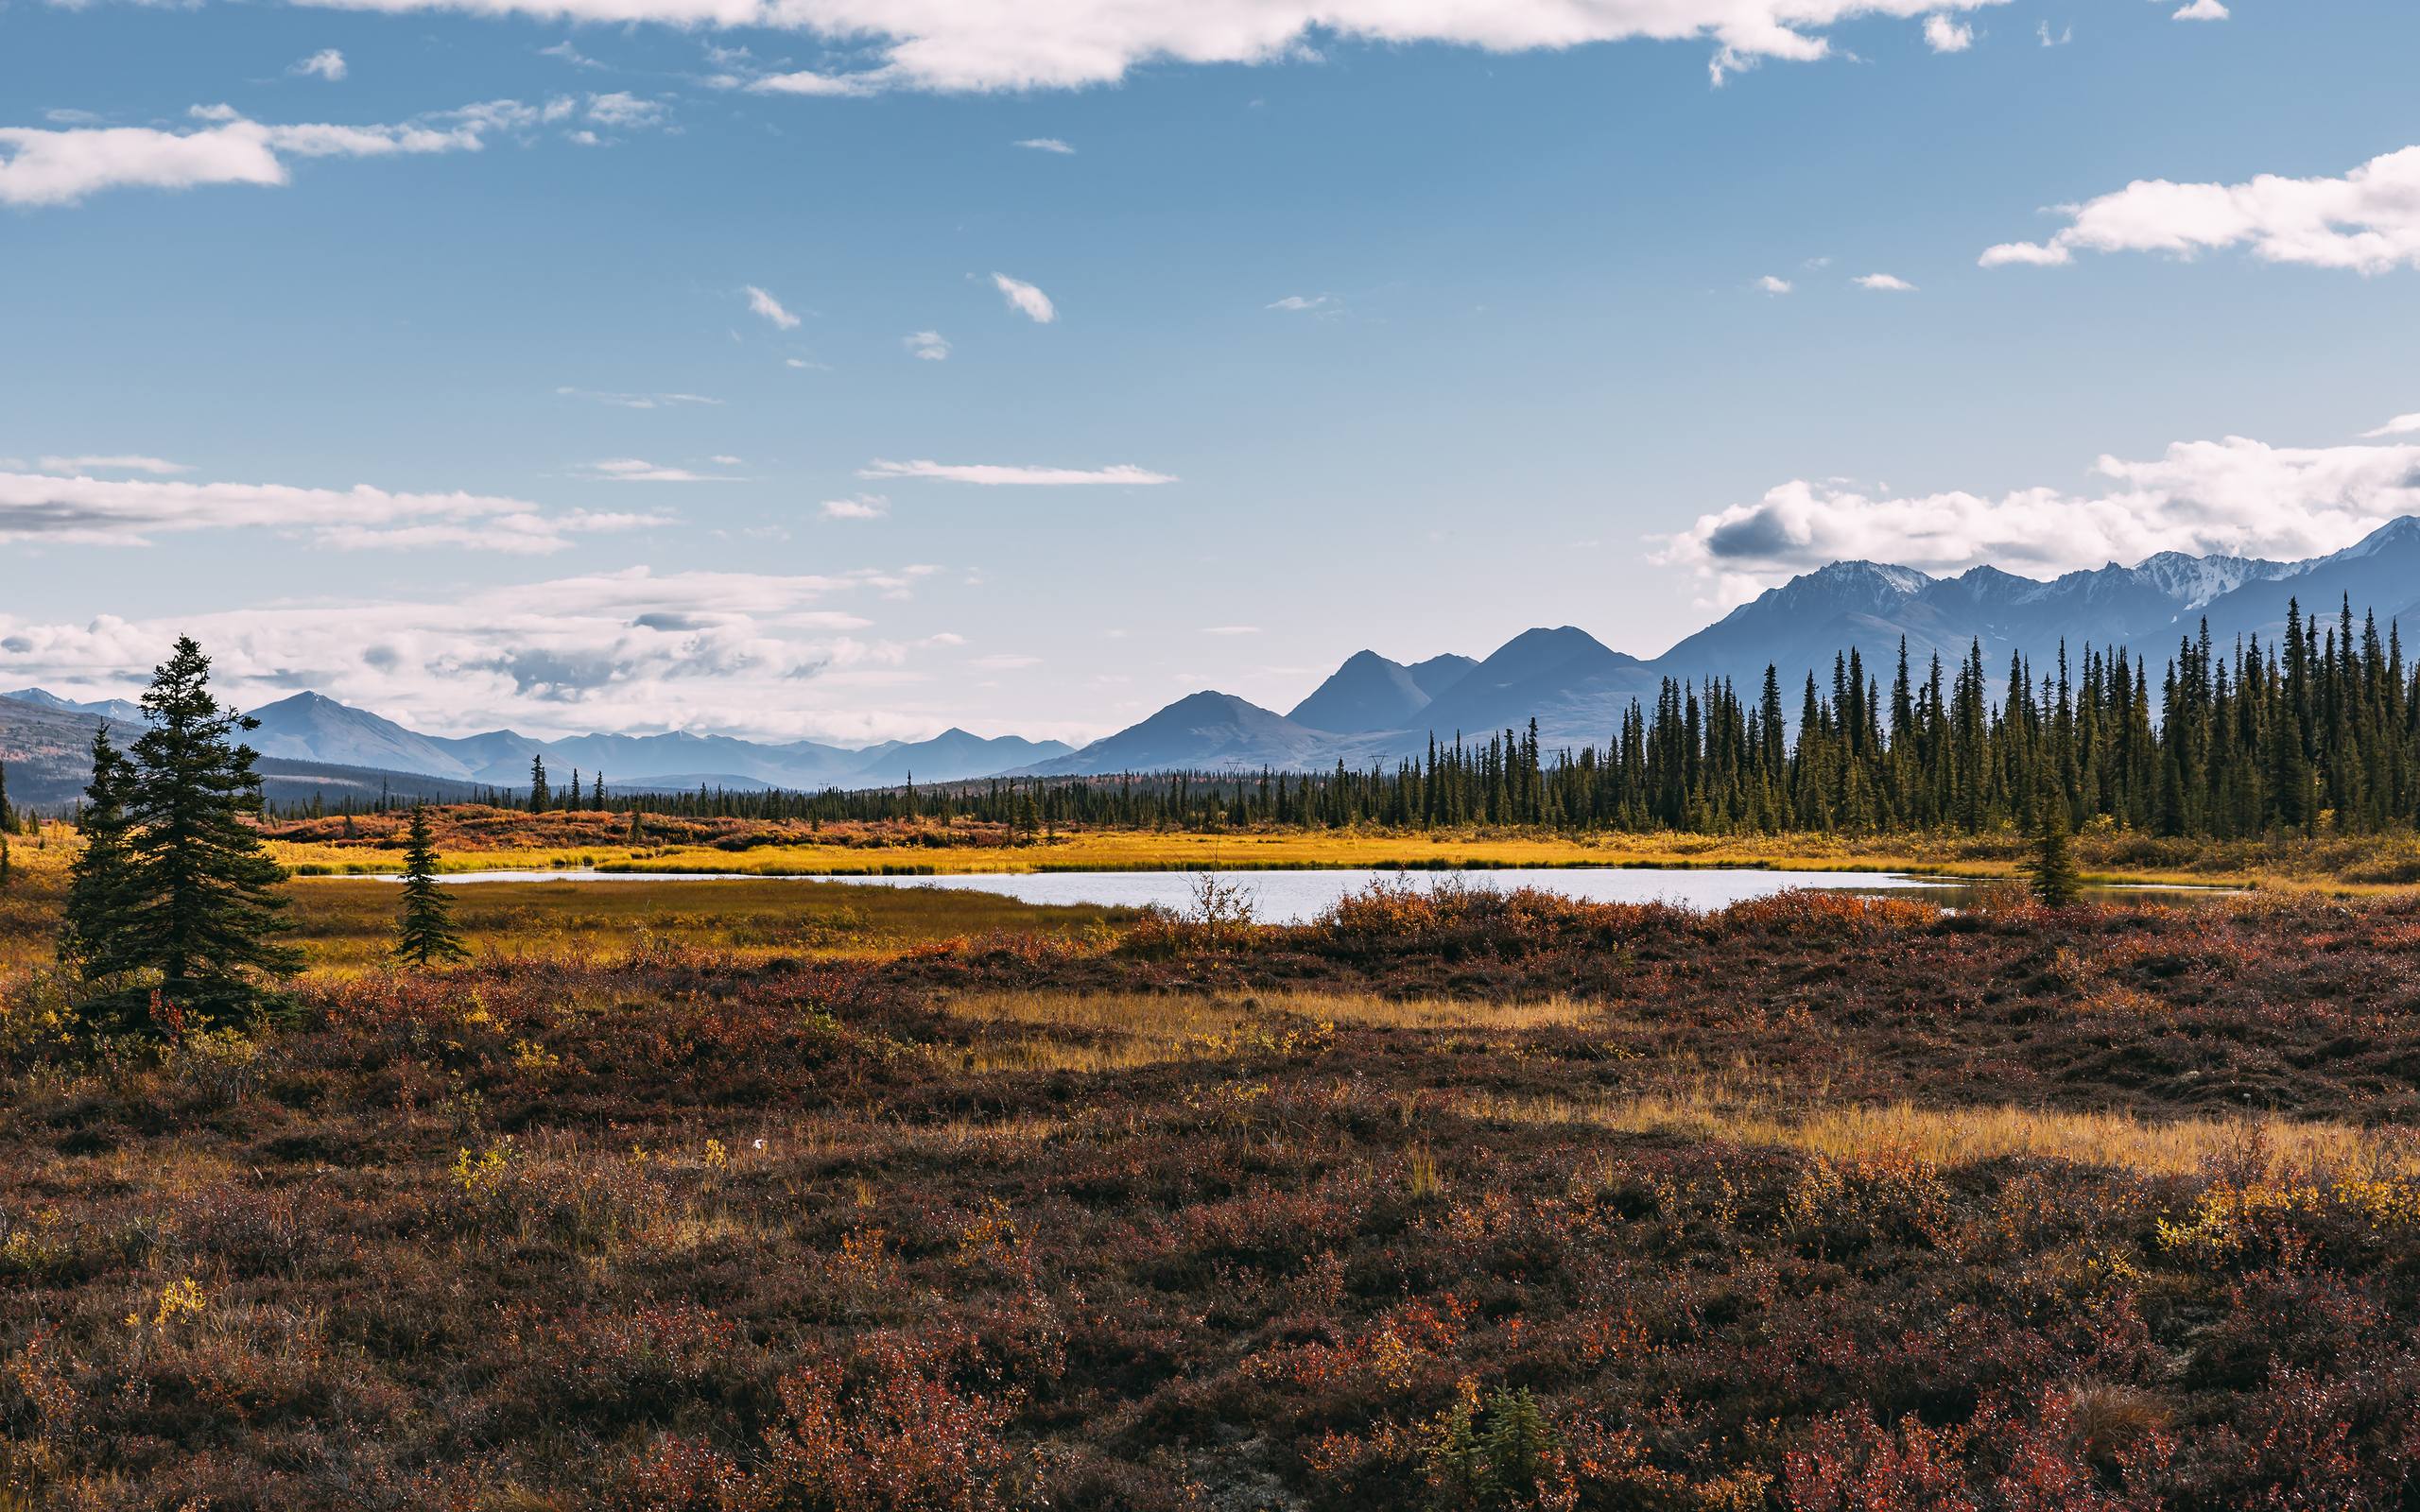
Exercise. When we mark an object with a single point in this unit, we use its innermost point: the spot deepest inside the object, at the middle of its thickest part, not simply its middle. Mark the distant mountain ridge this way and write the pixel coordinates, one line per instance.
(1375, 709)
(1577, 688)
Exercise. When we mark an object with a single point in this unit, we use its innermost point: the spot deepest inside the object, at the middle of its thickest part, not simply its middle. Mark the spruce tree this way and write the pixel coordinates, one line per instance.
(424, 929)
(538, 796)
(96, 938)
(206, 912)
(2051, 874)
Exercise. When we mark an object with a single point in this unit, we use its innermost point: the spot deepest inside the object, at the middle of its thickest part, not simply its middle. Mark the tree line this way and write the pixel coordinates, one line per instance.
(2320, 726)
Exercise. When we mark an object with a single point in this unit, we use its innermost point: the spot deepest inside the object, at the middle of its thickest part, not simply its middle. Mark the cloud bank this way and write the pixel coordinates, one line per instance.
(982, 45)
(61, 167)
(626, 650)
(2368, 222)
(2236, 496)
(81, 510)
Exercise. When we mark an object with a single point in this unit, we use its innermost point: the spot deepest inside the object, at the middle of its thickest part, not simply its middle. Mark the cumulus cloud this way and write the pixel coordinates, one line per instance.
(2400, 425)
(326, 63)
(2368, 222)
(2238, 496)
(1944, 35)
(979, 45)
(634, 650)
(61, 167)
(770, 308)
(1774, 285)
(2200, 11)
(158, 466)
(1886, 283)
(861, 506)
(1024, 299)
(929, 345)
(992, 474)
(1047, 143)
(88, 511)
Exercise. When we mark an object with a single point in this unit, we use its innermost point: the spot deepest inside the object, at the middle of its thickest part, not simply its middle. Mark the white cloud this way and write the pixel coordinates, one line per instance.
(929, 345)
(1774, 285)
(630, 650)
(993, 475)
(2400, 425)
(977, 45)
(1944, 35)
(2200, 11)
(1024, 298)
(88, 511)
(1047, 143)
(2368, 222)
(1231, 629)
(1887, 283)
(861, 506)
(624, 111)
(569, 54)
(2066, 35)
(2234, 495)
(1300, 303)
(635, 401)
(638, 469)
(326, 63)
(770, 308)
(39, 167)
(153, 465)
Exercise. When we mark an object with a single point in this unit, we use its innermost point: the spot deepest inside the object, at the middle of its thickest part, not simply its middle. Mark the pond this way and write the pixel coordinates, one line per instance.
(1296, 897)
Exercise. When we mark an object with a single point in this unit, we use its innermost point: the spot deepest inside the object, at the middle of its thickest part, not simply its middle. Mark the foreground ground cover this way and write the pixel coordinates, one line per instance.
(1461, 1203)
(476, 838)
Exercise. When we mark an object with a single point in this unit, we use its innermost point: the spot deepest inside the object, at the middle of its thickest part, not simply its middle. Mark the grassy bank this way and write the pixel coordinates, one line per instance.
(501, 840)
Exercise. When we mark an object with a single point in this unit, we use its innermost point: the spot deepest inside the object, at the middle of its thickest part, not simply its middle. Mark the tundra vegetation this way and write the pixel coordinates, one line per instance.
(744, 1196)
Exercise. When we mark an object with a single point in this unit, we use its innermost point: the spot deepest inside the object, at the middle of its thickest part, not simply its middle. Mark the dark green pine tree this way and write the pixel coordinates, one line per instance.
(96, 937)
(425, 927)
(2051, 874)
(538, 795)
(206, 911)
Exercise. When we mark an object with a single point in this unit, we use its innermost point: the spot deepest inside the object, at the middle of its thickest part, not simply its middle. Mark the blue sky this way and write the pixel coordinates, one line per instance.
(1432, 338)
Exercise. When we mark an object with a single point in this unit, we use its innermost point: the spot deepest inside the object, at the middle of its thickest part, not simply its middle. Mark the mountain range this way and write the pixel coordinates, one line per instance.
(1370, 708)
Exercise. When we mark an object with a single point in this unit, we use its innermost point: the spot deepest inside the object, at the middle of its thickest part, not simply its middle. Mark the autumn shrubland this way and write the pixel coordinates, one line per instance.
(708, 1197)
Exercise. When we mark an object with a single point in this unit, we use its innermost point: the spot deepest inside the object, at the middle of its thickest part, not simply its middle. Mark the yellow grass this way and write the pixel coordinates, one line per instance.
(1113, 1031)
(2348, 863)
(1962, 1136)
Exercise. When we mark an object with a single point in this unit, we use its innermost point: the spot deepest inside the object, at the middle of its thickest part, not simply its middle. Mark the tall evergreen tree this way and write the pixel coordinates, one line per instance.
(425, 927)
(206, 912)
(538, 795)
(97, 934)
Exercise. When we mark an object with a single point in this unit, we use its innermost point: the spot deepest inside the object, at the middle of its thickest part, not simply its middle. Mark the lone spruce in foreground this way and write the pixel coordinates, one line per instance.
(174, 879)
(424, 931)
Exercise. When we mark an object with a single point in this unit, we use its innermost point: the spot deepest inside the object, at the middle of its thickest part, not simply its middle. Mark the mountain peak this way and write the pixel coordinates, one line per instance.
(1368, 693)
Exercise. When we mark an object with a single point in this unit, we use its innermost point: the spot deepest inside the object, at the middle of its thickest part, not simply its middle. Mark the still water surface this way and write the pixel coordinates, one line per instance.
(1294, 897)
